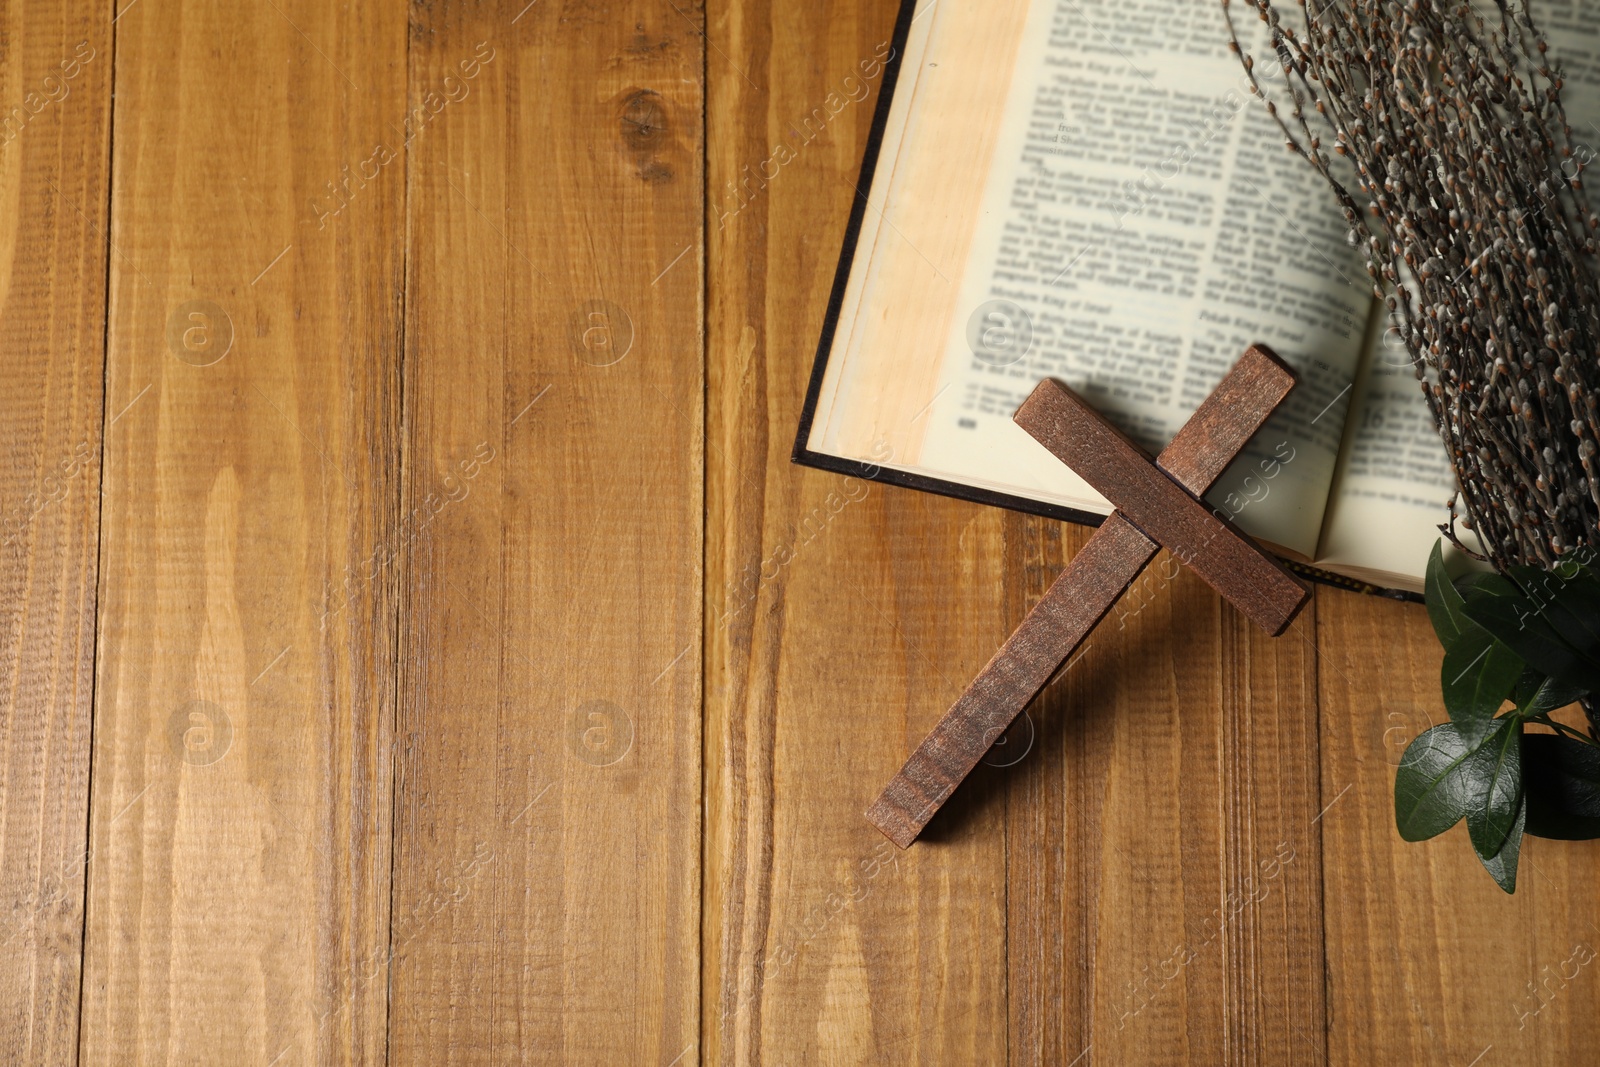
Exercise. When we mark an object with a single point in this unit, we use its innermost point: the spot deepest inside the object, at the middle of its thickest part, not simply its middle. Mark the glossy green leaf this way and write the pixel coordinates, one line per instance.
(1478, 675)
(1444, 601)
(1568, 598)
(1527, 687)
(1538, 695)
(1502, 608)
(1532, 636)
(1495, 780)
(1432, 787)
(1502, 866)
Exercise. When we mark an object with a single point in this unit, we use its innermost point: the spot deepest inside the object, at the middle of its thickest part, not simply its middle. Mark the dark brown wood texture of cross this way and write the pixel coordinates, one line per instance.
(1157, 505)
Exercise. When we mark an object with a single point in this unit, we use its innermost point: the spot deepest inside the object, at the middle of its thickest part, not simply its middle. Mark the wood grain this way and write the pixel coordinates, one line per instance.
(841, 618)
(238, 881)
(1152, 915)
(55, 88)
(548, 837)
(448, 473)
(1099, 574)
(1428, 961)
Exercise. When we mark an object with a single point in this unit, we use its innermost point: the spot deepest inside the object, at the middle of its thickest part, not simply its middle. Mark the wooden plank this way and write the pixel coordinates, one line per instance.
(55, 88)
(1428, 961)
(238, 886)
(1088, 587)
(842, 617)
(238, 910)
(548, 831)
(1173, 761)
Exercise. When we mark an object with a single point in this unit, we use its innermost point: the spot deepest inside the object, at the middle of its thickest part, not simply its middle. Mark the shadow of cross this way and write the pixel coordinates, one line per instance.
(1157, 505)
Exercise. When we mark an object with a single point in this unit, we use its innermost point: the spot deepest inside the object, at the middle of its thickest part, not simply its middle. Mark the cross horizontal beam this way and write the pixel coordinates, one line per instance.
(1117, 469)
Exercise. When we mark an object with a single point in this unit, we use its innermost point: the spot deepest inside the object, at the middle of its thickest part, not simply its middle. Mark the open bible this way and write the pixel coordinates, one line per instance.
(1086, 190)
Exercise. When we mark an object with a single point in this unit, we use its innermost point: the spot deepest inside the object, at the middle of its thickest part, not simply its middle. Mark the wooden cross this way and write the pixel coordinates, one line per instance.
(1157, 504)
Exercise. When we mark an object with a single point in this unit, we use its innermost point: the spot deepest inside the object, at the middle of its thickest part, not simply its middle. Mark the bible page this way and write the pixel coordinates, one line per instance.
(1142, 225)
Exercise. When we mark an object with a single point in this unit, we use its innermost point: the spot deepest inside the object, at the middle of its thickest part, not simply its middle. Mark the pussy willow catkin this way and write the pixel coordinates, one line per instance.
(1461, 180)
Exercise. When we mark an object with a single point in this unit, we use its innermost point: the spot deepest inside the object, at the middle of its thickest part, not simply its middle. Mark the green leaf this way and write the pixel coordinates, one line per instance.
(1444, 601)
(1502, 866)
(1538, 695)
(1443, 778)
(1567, 597)
(1502, 608)
(1431, 787)
(1478, 674)
(1495, 777)
(1527, 687)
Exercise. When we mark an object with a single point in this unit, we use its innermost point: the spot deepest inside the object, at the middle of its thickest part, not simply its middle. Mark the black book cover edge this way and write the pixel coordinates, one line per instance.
(805, 457)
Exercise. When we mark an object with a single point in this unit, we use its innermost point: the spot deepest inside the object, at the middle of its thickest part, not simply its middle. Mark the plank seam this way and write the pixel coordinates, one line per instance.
(99, 526)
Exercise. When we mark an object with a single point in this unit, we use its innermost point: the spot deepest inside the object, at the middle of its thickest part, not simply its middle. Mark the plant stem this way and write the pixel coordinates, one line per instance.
(1563, 728)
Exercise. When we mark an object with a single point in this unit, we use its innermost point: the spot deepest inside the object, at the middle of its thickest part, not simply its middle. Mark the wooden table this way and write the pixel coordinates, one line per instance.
(418, 648)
